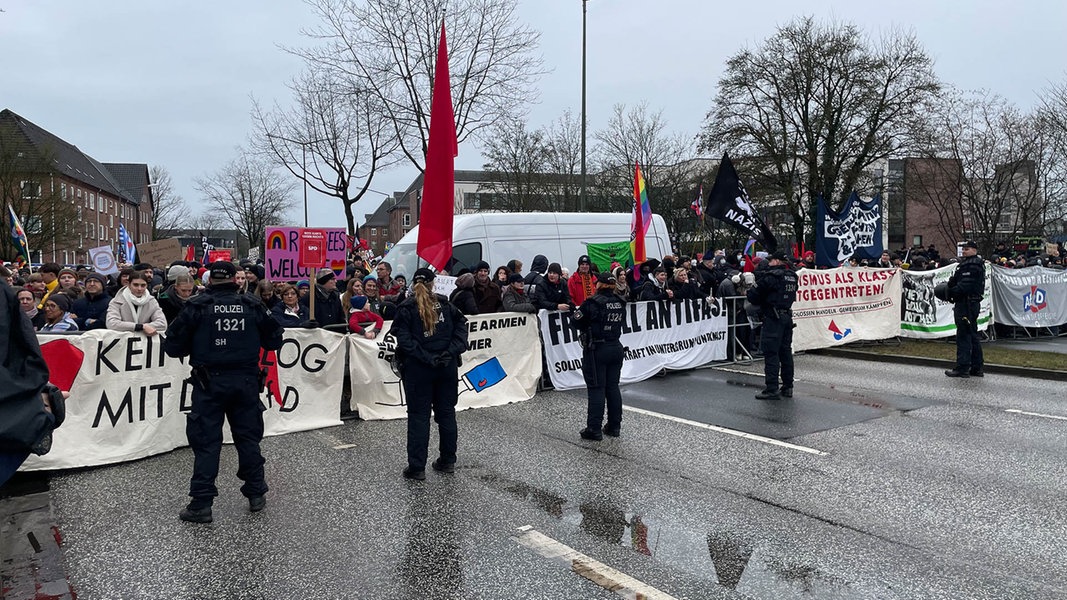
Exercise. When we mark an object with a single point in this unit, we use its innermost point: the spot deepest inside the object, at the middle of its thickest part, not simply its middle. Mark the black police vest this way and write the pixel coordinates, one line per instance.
(607, 326)
(227, 331)
(783, 288)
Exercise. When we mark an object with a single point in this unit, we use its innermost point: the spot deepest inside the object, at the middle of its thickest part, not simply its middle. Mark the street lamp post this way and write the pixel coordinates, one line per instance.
(581, 198)
(303, 165)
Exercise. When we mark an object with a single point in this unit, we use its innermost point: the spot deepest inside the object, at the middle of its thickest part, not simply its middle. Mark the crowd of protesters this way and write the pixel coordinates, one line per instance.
(146, 298)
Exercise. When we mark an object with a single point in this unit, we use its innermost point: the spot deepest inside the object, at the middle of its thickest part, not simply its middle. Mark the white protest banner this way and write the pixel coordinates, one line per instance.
(501, 365)
(838, 306)
(103, 259)
(673, 335)
(925, 317)
(1029, 297)
(128, 398)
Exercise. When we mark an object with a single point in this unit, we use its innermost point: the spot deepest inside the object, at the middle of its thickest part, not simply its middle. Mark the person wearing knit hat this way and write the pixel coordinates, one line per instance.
(175, 271)
(57, 314)
(362, 321)
(68, 283)
(90, 311)
(328, 308)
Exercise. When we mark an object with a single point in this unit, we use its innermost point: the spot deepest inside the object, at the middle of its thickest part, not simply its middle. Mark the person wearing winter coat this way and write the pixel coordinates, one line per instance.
(515, 299)
(656, 288)
(90, 311)
(362, 321)
(536, 277)
(487, 293)
(680, 286)
(173, 298)
(134, 309)
(552, 293)
(463, 296)
(582, 283)
(289, 312)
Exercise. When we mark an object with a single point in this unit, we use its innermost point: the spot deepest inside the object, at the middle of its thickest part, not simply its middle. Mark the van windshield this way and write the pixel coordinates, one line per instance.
(403, 259)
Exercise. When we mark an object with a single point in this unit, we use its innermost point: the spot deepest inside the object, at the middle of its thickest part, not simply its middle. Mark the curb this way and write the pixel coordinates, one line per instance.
(948, 364)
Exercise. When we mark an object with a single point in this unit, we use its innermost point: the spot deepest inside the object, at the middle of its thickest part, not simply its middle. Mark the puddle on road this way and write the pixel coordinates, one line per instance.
(726, 557)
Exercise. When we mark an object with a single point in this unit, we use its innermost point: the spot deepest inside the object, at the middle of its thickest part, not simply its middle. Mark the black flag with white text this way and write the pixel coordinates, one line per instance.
(729, 202)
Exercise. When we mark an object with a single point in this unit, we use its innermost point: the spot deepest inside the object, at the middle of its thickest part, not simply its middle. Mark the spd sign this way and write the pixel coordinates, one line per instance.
(312, 248)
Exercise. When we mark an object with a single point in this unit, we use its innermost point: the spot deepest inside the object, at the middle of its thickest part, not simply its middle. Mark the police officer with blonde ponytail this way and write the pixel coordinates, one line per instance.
(430, 336)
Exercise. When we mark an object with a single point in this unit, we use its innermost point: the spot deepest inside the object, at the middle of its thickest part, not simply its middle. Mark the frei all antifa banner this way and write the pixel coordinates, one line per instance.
(855, 231)
(1030, 297)
(673, 335)
(501, 365)
(924, 316)
(838, 306)
(128, 399)
(729, 202)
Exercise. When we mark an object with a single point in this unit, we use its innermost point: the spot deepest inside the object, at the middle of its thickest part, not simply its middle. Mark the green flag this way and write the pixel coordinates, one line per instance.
(603, 255)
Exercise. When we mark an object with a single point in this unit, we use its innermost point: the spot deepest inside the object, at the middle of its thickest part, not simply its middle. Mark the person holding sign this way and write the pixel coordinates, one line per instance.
(430, 336)
(222, 331)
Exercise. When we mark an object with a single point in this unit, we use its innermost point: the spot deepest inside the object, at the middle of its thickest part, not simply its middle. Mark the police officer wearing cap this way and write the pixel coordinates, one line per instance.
(599, 321)
(222, 332)
(430, 335)
(775, 293)
(965, 289)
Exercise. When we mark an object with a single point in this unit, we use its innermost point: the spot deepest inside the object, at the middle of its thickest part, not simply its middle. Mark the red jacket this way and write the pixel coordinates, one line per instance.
(356, 317)
(579, 289)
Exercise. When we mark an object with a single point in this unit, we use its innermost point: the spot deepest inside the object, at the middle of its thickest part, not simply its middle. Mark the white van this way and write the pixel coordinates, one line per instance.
(499, 237)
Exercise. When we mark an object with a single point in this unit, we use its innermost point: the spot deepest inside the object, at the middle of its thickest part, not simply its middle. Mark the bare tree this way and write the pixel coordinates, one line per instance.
(335, 138)
(250, 194)
(815, 106)
(28, 184)
(389, 48)
(169, 210)
(207, 220)
(990, 160)
(518, 160)
(1053, 117)
(637, 135)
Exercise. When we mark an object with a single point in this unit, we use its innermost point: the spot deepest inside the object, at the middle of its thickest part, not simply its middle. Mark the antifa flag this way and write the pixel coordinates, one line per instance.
(856, 231)
(729, 202)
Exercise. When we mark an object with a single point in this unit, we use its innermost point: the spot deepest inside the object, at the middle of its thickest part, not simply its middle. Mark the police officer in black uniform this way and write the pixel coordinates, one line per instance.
(775, 292)
(599, 321)
(430, 335)
(222, 332)
(965, 289)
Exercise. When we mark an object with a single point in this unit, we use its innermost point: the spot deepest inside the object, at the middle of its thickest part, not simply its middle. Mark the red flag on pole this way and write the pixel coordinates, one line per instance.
(190, 254)
(439, 181)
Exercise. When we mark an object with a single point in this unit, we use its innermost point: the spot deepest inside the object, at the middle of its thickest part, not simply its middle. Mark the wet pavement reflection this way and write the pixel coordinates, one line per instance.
(729, 554)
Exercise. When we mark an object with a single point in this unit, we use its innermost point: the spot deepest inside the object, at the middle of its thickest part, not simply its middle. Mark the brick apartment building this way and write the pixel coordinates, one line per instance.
(68, 201)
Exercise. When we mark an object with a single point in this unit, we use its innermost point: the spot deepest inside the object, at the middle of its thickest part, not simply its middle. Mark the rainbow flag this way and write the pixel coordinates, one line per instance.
(18, 235)
(641, 219)
(750, 247)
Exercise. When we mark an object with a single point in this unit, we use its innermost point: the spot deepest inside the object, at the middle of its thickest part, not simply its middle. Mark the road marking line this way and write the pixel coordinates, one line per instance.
(344, 446)
(1033, 414)
(734, 432)
(606, 577)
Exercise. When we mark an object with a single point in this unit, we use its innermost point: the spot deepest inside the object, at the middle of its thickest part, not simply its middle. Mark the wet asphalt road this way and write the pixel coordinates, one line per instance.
(927, 488)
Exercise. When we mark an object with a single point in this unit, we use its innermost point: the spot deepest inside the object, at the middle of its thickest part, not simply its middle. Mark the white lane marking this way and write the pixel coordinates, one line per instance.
(344, 446)
(1033, 414)
(606, 577)
(741, 434)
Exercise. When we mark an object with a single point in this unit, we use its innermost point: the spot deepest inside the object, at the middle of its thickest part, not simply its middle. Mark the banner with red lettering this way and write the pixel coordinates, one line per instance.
(838, 306)
(128, 399)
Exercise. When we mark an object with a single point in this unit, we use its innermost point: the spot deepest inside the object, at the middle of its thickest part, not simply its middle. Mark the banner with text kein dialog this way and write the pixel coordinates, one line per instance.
(924, 316)
(675, 334)
(838, 306)
(128, 399)
(501, 365)
(1029, 297)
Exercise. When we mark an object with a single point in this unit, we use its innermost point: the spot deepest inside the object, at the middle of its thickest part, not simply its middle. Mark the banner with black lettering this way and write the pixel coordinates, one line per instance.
(128, 399)
(923, 316)
(838, 306)
(1029, 297)
(856, 231)
(672, 335)
(501, 365)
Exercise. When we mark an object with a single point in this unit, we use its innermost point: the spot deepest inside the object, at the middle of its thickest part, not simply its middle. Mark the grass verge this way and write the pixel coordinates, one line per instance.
(993, 355)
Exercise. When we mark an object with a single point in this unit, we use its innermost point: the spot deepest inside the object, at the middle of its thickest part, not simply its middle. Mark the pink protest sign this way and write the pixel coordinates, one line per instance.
(283, 252)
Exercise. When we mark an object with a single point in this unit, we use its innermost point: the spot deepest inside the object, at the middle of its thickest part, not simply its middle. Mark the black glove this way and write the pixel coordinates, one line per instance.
(442, 360)
(311, 324)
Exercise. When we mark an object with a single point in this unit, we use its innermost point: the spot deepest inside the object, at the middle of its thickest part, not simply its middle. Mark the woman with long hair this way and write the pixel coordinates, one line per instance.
(353, 288)
(430, 336)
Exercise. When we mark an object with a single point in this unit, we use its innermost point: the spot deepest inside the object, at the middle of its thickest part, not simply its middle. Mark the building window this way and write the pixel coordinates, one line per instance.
(374, 231)
(407, 219)
(63, 191)
(31, 190)
(79, 213)
(92, 201)
(103, 232)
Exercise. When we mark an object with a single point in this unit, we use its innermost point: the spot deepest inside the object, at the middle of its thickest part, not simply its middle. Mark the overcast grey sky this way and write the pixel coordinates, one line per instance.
(169, 83)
